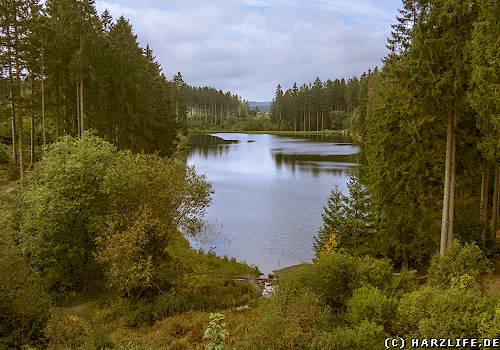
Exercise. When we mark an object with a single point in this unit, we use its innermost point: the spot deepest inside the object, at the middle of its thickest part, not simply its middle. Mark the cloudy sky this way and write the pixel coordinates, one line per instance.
(249, 46)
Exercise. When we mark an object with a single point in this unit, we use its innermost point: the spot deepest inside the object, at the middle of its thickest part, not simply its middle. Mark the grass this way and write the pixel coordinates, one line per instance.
(176, 319)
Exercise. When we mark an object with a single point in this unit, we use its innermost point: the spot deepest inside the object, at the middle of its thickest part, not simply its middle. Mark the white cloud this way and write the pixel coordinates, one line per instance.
(249, 46)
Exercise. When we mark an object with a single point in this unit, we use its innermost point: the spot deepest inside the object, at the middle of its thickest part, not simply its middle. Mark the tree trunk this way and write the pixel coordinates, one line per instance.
(79, 133)
(82, 115)
(484, 202)
(19, 124)
(13, 126)
(451, 208)
(494, 209)
(12, 104)
(32, 128)
(446, 195)
(19, 119)
(44, 135)
(57, 106)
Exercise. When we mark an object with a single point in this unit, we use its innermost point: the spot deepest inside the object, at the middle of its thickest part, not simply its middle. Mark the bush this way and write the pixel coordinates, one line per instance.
(451, 313)
(99, 339)
(405, 282)
(372, 305)
(4, 154)
(66, 331)
(365, 336)
(292, 322)
(335, 277)
(87, 207)
(24, 302)
(459, 260)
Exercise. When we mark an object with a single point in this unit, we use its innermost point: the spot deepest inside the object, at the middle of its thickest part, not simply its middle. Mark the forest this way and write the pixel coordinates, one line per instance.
(96, 211)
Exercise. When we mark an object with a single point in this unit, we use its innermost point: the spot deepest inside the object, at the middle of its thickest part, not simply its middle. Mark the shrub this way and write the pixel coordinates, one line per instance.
(372, 305)
(87, 205)
(60, 201)
(4, 154)
(335, 277)
(459, 260)
(437, 313)
(365, 336)
(66, 330)
(24, 301)
(99, 339)
(292, 322)
(405, 282)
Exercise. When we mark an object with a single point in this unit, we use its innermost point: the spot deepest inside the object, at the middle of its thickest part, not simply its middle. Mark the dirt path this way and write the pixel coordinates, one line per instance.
(493, 282)
(6, 191)
(81, 310)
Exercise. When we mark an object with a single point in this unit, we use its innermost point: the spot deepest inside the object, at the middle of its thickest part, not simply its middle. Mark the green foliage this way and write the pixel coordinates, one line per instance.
(24, 301)
(364, 336)
(293, 321)
(87, 206)
(64, 330)
(61, 198)
(374, 306)
(485, 62)
(152, 198)
(216, 333)
(348, 222)
(338, 120)
(404, 282)
(335, 277)
(437, 313)
(460, 261)
(318, 106)
(4, 154)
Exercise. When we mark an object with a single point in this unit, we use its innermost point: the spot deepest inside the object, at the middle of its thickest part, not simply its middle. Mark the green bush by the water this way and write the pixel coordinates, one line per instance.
(346, 302)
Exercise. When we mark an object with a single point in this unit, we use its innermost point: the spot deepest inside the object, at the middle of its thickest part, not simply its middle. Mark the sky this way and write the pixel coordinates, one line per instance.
(248, 47)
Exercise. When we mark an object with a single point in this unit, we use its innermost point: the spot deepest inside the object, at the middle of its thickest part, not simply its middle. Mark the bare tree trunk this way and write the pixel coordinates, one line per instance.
(19, 124)
(309, 113)
(13, 126)
(78, 110)
(484, 202)
(44, 135)
(32, 128)
(451, 208)
(19, 119)
(176, 111)
(12, 103)
(494, 209)
(57, 107)
(82, 115)
(446, 196)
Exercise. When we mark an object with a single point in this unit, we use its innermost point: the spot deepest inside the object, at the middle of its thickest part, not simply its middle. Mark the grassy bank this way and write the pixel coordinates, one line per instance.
(270, 132)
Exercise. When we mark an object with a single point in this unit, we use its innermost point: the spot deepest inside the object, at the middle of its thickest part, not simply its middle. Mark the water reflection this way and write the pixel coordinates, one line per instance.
(269, 193)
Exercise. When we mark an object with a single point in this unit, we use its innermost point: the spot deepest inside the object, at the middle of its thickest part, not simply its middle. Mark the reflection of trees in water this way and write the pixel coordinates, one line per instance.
(315, 164)
(326, 138)
(208, 233)
(208, 145)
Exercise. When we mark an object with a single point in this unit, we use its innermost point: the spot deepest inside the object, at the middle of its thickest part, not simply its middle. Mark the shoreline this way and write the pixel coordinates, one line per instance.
(271, 132)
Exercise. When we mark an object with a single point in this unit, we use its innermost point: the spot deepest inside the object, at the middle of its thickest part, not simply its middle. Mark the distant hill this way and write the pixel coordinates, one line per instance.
(263, 106)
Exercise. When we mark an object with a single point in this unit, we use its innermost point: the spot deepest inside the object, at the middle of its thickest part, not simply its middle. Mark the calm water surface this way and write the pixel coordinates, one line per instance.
(269, 193)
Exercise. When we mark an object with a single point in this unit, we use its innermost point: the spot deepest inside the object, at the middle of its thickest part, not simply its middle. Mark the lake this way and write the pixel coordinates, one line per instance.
(269, 193)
